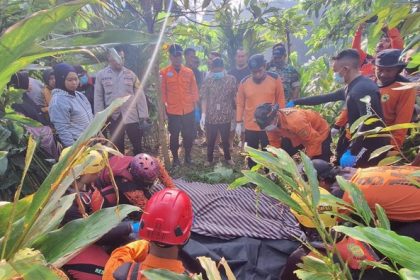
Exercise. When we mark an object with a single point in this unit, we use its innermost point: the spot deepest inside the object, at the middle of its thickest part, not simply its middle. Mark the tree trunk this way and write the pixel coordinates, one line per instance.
(150, 11)
(163, 136)
(289, 44)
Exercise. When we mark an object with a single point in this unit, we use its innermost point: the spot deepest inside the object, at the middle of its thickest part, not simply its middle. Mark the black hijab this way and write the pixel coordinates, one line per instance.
(61, 71)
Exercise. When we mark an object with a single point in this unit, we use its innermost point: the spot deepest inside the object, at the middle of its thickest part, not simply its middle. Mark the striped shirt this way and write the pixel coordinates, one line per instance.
(227, 214)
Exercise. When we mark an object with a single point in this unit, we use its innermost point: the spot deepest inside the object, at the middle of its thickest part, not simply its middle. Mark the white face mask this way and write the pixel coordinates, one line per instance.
(338, 78)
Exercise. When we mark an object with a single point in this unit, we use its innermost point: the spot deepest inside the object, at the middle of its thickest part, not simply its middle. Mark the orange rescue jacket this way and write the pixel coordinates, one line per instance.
(302, 127)
(179, 90)
(138, 251)
(251, 95)
(389, 187)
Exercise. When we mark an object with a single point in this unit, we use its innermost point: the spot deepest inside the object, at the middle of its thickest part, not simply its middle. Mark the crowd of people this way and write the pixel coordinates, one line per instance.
(255, 101)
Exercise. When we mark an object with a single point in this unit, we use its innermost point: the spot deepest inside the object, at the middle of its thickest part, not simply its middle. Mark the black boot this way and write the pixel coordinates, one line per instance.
(188, 160)
(175, 161)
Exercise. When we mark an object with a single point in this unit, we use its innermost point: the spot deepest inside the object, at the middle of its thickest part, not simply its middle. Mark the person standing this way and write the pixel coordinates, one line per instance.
(288, 74)
(218, 98)
(261, 87)
(86, 85)
(179, 95)
(212, 55)
(362, 98)
(239, 71)
(192, 62)
(397, 105)
(69, 110)
(117, 81)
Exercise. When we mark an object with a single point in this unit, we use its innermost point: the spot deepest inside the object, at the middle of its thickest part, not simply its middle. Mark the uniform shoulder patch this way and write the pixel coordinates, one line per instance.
(245, 79)
(272, 74)
(385, 97)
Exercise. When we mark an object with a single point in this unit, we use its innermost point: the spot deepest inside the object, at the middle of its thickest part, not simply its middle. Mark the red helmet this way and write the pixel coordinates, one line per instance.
(167, 218)
(144, 168)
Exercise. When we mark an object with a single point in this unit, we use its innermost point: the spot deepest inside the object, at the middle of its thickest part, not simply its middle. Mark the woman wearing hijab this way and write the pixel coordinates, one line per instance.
(69, 110)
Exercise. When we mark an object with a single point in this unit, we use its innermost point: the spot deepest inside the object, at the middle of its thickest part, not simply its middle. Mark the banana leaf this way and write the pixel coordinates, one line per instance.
(407, 274)
(269, 188)
(26, 271)
(359, 201)
(52, 188)
(20, 36)
(314, 269)
(95, 38)
(312, 179)
(400, 249)
(28, 264)
(30, 150)
(60, 245)
(6, 212)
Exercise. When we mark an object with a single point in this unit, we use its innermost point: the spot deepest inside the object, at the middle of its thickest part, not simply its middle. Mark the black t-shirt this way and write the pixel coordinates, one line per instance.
(358, 89)
(240, 74)
(198, 76)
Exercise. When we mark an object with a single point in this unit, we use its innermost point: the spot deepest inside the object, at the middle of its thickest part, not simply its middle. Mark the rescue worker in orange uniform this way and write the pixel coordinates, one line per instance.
(305, 129)
(260, 87)
(179, 95)
(388, 186)
(164, 226)
(397, 105)
(391, 39)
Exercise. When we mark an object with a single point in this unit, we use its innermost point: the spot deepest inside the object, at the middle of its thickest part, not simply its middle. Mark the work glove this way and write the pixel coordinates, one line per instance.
(238, 129)
(347, 159)
(202, 121)
(334, 132)
(290, 104)
(135, 227)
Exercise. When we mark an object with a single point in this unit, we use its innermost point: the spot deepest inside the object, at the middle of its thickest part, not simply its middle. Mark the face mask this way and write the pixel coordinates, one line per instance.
(218, 75)
(338, 79)
(83, 80)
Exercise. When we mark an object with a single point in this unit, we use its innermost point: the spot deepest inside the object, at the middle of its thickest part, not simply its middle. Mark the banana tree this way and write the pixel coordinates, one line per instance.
(22, 43)
(31, 242)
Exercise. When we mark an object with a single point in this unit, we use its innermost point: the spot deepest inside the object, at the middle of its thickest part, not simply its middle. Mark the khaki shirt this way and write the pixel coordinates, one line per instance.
(110, 85)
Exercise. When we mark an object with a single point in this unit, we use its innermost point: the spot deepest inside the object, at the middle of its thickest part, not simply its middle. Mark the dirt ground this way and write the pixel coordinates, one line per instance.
(217, 173)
